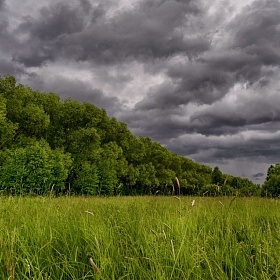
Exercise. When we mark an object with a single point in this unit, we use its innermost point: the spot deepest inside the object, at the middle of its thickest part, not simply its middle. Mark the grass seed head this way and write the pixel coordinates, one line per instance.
(95, 267)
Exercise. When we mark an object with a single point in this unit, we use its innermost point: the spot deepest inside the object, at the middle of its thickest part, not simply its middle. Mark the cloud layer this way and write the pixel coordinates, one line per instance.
(202, 79)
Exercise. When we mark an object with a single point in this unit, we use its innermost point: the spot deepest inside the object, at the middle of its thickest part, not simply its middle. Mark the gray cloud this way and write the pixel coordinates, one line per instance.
(2, 3)
(154, 29)
(149, 31)
(252, 45)
(49, 31)
(85, 93)
(256, 31)
(3, 26)
(250, 146)
(57, 20)
(258, 176)
(78, 90)
(250, 56)
(8, 68)
(260, 110)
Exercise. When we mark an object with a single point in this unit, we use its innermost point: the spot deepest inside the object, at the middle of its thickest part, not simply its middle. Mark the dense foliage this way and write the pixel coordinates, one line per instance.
(53, 146)
(271, 186)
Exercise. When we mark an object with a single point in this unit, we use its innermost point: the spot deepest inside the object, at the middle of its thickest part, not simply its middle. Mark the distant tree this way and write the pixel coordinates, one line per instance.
(271, 186)
(273, 170)
(217, 176)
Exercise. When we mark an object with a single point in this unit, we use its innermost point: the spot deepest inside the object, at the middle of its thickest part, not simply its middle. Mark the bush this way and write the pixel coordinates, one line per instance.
(34, 169)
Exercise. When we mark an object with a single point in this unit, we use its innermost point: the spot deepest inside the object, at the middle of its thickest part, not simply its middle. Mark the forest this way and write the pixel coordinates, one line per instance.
(64, 147)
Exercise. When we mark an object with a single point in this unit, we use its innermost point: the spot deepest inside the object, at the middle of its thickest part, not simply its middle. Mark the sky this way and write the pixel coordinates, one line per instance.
(200, 77)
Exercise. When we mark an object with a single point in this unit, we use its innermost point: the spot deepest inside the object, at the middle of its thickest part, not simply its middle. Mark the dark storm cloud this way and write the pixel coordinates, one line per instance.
(246, 151)
(148, 31)
(9, 68)
(254, 145)
(207, 139)
(57, 20)
(49, 30)
(2, 2)
(7, 42)
(35, 56)
(258, 175)
(253, 40)
(156, 124)
(153, 29)
(81, 91)
(257, 111)
(3, 28)
(252, 45)
(250, 55)
(85, 93)
(259, 32)
(193, 83)
(4, 23)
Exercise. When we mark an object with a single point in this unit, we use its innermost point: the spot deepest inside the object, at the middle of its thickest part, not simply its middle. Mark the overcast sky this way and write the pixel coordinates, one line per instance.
(201, 77)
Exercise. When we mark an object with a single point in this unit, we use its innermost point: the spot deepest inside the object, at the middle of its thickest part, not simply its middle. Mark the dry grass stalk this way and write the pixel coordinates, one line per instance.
(9, 255)
(95, 267)
(52, 188)
(178, 184)
(226, 180)
(11, 270)
(164, 234)
(167, 225)
(97, 245)
(173, 250)
(89, 213)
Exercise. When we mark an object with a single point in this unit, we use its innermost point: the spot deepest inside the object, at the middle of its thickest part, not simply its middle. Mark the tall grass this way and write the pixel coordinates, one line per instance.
(139, 238)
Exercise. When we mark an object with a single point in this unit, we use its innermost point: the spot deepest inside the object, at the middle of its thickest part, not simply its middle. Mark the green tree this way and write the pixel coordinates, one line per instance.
(147, 179)
(83, 143)
(217, 176)
(24, 108)
(271, 186)
(106, 157)
(7, 85)
(273, 170)
(34, 169)
(86, 180)
(111, 167)
(7, 128)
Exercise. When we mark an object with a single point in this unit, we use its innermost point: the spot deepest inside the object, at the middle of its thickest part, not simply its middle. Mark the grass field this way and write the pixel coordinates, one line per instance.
(139, 238)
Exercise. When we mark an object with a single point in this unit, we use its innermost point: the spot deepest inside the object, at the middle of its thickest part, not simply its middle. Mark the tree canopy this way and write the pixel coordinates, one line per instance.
(52, 146)
(271, 187)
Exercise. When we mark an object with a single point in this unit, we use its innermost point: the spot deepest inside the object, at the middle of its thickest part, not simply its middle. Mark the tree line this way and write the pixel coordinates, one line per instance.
(50, 146)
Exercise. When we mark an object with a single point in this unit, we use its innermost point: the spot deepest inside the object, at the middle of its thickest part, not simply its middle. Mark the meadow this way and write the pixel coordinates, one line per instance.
(139, 238)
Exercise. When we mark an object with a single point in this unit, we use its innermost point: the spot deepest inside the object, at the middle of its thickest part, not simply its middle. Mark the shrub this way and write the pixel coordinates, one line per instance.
(34, 169)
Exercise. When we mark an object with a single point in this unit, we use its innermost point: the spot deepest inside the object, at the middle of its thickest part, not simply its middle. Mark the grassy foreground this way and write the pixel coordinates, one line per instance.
(139, 238)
